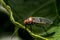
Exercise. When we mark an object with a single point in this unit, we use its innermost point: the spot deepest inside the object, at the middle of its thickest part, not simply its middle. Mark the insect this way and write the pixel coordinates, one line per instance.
(39, 20)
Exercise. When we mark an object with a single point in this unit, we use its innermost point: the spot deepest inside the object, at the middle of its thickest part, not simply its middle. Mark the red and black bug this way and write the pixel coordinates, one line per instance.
(39, 20)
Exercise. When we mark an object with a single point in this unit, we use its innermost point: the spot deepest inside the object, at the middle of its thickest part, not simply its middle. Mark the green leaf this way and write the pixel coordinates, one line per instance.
(21, 9)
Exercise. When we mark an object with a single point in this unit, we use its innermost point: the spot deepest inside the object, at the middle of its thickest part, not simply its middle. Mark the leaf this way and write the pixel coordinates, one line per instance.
(23, 9)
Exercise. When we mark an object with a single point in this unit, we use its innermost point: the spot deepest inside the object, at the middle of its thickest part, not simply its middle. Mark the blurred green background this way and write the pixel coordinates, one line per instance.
(23, 9)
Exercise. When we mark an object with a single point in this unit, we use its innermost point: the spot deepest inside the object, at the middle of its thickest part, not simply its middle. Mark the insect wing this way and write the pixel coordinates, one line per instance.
(42, 20)
(36, 19)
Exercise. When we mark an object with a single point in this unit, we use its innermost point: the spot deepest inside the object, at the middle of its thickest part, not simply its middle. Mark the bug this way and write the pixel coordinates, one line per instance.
(39, 20)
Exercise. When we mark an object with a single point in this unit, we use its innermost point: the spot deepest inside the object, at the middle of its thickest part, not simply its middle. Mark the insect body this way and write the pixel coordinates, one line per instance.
(40, 20)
